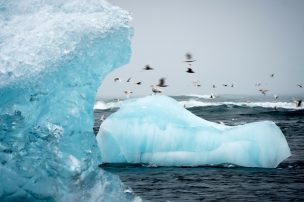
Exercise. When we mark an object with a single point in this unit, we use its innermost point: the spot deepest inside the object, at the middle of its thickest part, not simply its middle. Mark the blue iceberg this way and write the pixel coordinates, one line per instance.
(158, 130)
(53, 56)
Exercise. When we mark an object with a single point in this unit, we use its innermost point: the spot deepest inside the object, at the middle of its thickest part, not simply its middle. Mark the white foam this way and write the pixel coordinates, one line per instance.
(107, 105)
(285, 105)
(211, 96)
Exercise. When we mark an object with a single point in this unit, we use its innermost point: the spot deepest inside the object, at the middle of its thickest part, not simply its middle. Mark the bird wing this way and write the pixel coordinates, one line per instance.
(188, 56)
(161, 82)
(189, 60)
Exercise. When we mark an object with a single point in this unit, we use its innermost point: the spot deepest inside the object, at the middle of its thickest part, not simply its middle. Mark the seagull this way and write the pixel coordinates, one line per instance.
(300, 85)
(117, 79)
(190, 70)
(128, 93)
(155, 89)
(129, 79)
(162, 83)
(299, 103)
(196, 83)
(189, 58)
(139, 83)
(147, 67)
(263, 91)
(272, 75)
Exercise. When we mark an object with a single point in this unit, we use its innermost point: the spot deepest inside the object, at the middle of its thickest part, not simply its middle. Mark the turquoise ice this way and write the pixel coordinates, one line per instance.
(158, 130)
(53, 56)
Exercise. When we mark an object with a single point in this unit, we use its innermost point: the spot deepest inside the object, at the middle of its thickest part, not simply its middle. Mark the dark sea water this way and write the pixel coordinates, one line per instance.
(225, 183)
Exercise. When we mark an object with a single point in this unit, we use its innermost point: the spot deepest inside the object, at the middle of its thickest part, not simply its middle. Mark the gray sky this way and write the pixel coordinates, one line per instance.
(235, 41)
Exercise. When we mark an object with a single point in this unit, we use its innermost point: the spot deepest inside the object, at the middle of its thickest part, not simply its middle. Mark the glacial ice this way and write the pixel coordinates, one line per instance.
(158, 130)
(53, 55)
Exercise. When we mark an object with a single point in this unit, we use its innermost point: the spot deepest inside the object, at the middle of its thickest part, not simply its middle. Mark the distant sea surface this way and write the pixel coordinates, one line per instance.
(285, 183)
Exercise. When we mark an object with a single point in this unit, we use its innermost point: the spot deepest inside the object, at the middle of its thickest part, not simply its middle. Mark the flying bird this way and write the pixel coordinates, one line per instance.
(299, 103)
(225, 85)
(190, 70)
(128, 93)
(276, 97)
(213, 86)
(189, 58)
(155, 89)
(147, 67)
(139, 83)
(300, 85)
(117, 79)
(129, 79)
(263, 91)
(271, 75)
(232, 85)
(196, 83)
(162, 83)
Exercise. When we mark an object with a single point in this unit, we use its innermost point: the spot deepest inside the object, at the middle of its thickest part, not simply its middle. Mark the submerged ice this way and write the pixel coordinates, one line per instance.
(53, 55)
(158, 130)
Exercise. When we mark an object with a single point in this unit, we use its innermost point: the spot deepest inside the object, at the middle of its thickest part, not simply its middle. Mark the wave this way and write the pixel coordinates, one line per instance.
(102, 105)
(107, 105)
(211, 96)
(283, 105)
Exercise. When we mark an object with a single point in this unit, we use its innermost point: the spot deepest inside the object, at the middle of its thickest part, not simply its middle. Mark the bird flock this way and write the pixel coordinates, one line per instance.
(158, 88)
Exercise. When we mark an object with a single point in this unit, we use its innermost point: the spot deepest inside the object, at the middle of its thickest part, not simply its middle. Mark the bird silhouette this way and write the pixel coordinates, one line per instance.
(147, 67)
(196, 83)
(117, 79)
(162, 83)
(299, 103)
(190, 70)
(155, 89)
(128, 93)
(189, 58)
(263, 91)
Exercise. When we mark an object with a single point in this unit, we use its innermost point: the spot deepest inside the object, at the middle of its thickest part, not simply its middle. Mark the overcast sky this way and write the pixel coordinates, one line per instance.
(236, 41)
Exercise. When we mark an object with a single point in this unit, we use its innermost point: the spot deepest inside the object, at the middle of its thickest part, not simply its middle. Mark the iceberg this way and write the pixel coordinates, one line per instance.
(53, 56)
(158, 130)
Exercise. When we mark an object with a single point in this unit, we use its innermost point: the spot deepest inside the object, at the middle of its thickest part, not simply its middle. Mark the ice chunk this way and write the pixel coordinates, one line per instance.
(158, 130)
(53, 55)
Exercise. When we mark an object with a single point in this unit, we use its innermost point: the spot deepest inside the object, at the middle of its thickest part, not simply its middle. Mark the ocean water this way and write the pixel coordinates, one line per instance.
(229, 183)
